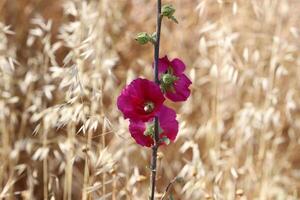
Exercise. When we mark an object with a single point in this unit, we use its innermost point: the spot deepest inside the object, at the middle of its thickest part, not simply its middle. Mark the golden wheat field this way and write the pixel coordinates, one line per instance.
(63, 63)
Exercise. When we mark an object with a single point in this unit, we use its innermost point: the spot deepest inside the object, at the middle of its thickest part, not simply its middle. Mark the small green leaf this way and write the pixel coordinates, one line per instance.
(171, 197)
(166, 140)
(153, 37)
(174, 19)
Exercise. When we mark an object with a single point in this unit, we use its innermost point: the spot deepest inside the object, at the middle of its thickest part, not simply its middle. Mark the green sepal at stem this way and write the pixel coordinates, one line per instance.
(153, 37)
(150, 130)
(167, 88)
(167, 81)
(143, 38)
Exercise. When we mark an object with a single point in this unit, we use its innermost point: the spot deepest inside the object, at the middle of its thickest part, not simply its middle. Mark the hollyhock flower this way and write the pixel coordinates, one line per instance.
(173, 82)
(140, 100)
(143, 132)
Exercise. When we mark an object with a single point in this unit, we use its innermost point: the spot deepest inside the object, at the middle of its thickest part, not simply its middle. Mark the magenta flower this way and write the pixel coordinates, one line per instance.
(140, 100)
(173, 82)
(143, 132)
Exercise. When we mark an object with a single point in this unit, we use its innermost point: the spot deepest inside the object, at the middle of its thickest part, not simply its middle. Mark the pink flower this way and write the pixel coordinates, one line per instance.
(173, 82)
(143, 132)
(140, 100)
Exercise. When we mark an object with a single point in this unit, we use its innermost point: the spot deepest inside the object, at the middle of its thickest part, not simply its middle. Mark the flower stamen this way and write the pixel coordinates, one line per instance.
(148, 107)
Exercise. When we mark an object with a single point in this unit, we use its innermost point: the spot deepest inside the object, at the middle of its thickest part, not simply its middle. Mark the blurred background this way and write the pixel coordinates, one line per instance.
(64, 62)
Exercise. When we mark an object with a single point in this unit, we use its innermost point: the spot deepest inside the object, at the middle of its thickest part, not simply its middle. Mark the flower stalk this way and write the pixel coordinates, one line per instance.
(156, 79)
(151, 123)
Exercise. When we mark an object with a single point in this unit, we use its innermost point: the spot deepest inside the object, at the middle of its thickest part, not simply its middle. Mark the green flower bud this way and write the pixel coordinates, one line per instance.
(142, 38)
(168, 11)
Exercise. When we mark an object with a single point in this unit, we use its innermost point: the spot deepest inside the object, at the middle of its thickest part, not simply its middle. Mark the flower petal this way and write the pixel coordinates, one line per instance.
(181, 89)
(137, 129)
(132, 100)
(163, 64)
(178, 66)
(168, 123)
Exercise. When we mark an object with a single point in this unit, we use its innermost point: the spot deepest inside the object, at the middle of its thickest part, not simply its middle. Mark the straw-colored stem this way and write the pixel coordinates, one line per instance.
(6, 150)
(103, 146)
(69, 167)
(86, 166)
(45, 168)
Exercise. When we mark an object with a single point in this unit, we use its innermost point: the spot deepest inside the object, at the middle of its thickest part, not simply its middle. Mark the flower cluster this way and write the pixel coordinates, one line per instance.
(143, 100)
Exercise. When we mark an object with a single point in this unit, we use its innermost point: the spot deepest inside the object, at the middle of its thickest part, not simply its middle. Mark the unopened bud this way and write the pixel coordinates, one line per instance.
(142, 38)
(168, 10)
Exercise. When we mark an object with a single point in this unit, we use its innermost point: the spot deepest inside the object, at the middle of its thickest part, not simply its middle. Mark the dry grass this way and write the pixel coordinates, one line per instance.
(62, 65)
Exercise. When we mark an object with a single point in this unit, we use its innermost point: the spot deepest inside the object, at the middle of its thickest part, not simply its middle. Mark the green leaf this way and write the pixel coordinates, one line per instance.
(166, 140)
(174, 19)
